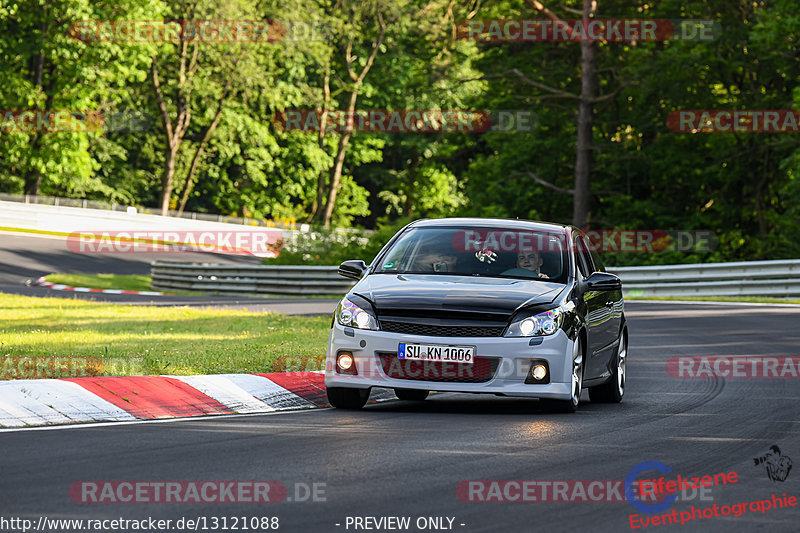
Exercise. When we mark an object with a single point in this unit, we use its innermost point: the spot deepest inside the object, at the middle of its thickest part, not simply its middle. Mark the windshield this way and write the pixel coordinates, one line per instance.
(491, 252)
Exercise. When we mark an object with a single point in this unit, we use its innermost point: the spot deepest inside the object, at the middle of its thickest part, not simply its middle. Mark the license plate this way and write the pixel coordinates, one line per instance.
(434, 352)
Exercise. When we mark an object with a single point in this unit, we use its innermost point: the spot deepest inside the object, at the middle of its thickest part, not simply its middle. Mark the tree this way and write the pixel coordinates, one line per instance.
(46, 68)
(355, 33)
(196, 75)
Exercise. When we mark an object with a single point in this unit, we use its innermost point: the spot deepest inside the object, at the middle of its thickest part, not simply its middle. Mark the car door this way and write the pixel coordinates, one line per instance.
(613, 301)
(598, 317)
(595, 309)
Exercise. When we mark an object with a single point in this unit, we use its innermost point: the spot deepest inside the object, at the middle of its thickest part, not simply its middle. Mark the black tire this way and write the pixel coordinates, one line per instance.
(346, 398)
(411, 395)
(614, 389)
(571, 405)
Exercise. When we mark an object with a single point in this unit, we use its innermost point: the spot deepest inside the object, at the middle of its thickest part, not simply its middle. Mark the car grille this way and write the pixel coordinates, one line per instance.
(433, 330)
(480, 371)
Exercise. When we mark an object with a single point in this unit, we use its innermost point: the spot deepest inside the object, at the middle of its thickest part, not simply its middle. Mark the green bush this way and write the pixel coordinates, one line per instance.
(334, 246)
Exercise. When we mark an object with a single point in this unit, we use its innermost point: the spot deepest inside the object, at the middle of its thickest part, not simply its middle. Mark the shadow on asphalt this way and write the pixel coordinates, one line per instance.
(482, 404)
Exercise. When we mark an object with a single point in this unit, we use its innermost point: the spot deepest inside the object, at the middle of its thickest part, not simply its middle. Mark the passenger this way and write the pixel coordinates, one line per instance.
(432, 260)
(529, 265)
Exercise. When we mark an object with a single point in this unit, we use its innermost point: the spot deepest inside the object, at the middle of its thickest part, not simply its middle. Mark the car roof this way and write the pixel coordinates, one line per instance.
(504, 223)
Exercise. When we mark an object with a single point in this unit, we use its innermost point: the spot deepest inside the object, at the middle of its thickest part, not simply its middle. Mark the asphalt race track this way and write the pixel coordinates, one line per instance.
(406, 459)
(24, 257)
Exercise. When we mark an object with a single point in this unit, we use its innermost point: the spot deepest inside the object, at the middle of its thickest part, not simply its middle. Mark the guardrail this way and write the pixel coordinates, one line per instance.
(752, 278)
(243, 280)
(749, 278)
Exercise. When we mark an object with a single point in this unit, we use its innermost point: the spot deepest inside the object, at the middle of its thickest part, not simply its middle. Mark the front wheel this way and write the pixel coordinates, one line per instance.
(412, 395)
(571, 405)
(345, 398)
(613, 390)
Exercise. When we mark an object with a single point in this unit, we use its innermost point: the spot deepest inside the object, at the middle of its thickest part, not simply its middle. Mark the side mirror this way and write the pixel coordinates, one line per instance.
(603, 281)
(354, 269)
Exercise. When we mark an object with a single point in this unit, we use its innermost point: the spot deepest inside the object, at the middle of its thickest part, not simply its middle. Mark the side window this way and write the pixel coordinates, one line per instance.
(398, 255)
(580, 258)
(587, 256)
(598, 263)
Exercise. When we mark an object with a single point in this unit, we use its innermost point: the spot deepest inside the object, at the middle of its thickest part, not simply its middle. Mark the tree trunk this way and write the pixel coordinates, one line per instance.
(336, 177)
(759, 200)
(338, 165)
(323, 122)
(344, 140)
(174, 133)
(170, 155)
(411, 196)
(198, 155)
(583, 156)
(408, 206)
(33, 179)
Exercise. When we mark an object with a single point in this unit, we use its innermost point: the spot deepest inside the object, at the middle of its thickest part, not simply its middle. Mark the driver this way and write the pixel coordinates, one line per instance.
(529, 264)
(433, 260)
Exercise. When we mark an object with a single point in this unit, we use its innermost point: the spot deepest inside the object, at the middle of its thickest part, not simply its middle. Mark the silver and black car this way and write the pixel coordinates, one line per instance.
(504, 307)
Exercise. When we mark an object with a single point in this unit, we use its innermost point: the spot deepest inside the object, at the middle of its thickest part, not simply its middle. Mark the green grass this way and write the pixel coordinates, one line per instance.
(103, 281)
(746, 299)
(138, 340)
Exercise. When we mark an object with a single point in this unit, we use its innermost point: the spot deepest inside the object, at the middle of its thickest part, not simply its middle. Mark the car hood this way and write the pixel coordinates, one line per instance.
(436, 292)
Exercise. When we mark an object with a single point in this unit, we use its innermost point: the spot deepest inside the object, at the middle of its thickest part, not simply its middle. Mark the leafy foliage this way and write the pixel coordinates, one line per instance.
(745, 187)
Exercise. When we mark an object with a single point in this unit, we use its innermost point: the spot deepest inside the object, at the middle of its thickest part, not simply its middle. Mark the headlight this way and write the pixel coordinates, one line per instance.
(545, 323)
(349, 314)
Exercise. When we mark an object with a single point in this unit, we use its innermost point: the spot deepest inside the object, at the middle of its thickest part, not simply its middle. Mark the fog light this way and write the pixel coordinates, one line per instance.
(345, 361)
(539, 371)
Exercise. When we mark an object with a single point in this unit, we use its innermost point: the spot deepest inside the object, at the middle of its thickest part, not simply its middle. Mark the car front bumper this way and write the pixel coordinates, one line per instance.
(515, 356)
